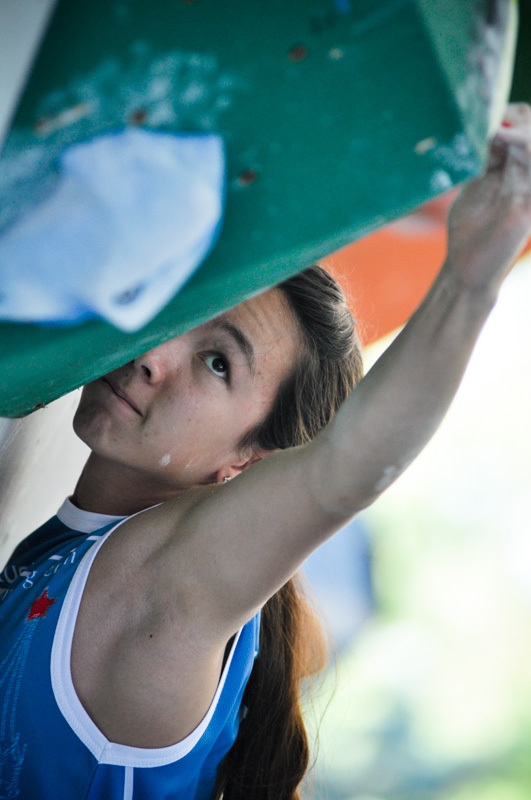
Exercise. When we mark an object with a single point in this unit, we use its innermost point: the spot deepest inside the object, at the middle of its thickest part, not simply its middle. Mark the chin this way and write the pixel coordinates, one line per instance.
(89, 419)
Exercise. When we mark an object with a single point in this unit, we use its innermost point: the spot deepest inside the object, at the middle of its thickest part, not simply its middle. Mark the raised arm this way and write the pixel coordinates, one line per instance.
(262, 525)
(402, 400)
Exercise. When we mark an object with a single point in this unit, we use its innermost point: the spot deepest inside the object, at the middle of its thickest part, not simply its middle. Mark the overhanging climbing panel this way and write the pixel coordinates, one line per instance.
(336, 117)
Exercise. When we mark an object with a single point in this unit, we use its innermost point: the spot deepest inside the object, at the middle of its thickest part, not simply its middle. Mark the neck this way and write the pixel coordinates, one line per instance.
(108, 488)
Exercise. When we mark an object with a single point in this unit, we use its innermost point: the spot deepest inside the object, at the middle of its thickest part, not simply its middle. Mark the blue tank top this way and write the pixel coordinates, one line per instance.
(49, 746)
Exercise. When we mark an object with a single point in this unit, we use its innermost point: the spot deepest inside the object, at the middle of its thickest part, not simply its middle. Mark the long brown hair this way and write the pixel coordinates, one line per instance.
(271, 753)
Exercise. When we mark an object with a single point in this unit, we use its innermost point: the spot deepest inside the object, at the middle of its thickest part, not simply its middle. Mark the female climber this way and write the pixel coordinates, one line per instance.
(153, 639)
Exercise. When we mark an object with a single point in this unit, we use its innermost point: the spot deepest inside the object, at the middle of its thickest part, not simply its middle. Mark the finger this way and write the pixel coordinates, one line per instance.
(497, 154)
(517, 114)
(516, 124)
(517, 174)
(518, 139)
(514, 139)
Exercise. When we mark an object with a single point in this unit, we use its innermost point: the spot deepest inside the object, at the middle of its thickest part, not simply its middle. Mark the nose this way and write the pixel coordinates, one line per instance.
(158, 363)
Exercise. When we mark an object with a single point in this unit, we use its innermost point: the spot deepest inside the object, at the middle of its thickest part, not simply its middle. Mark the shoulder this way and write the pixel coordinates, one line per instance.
(153, 642)
(141, 542)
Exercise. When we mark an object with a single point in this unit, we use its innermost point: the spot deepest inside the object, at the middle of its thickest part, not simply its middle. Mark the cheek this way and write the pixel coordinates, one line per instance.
(266, 391)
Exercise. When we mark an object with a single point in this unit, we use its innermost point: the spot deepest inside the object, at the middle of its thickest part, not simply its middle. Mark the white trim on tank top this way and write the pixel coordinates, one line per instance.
(102, 749)
(84, 521)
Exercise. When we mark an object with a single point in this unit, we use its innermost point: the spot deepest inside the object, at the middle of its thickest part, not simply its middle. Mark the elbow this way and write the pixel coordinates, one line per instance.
(348, 498)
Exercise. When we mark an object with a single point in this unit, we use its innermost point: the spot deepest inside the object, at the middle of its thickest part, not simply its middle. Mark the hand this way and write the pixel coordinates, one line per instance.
(491, 219)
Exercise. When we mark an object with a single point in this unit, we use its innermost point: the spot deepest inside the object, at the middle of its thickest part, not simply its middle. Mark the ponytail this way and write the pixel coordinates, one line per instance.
(271, 753)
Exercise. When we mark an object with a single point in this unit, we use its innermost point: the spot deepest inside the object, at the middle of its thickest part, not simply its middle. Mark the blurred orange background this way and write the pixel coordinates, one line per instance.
(385, 275)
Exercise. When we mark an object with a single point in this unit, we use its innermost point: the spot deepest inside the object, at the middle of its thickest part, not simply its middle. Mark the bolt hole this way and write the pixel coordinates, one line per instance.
(138, 116)
(42, 125)
(247, 177)
(298, 52)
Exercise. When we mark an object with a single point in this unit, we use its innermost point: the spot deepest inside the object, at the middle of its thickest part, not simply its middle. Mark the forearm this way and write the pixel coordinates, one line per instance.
(396, 408)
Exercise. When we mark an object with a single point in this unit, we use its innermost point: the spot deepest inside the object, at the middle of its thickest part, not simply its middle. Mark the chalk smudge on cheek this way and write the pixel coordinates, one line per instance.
(165, 460)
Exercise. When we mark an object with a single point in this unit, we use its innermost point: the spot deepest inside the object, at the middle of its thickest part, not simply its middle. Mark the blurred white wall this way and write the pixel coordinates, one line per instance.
(22, 25)
(40, 460)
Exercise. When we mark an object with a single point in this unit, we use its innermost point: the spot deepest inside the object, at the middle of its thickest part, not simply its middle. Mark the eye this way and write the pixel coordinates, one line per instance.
(217, 364)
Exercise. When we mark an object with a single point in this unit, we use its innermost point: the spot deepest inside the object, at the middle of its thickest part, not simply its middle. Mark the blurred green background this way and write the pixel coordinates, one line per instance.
(432, 699)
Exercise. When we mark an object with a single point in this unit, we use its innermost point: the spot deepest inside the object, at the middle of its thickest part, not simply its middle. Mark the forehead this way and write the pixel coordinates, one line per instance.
(268, 316)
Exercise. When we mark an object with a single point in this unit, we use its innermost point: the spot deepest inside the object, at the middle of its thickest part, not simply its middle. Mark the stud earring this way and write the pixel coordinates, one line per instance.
(227, 478)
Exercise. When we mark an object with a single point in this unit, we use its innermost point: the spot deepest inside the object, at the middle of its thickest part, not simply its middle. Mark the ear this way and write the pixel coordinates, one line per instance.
(228, 473)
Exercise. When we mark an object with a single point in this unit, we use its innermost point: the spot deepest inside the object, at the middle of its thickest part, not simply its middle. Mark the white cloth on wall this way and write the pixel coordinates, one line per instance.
(130, 218)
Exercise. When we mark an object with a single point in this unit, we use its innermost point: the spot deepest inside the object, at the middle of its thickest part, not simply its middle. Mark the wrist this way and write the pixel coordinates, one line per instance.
(457, 284)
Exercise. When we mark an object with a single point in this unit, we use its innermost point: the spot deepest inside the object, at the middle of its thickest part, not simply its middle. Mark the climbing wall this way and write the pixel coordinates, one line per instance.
(337, 116)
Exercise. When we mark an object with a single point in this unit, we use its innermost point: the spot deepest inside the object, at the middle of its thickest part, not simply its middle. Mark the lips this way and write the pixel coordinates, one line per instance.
(122, 395)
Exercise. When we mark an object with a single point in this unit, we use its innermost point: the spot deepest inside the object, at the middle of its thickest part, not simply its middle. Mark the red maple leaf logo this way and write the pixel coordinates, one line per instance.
(40, 606)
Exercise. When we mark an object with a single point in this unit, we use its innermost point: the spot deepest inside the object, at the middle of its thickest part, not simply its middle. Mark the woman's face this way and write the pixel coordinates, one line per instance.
(178, 413)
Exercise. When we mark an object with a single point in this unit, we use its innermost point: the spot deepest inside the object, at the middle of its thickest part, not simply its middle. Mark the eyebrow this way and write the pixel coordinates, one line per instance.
(243, 343)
